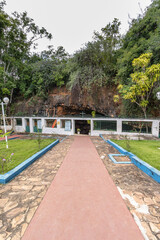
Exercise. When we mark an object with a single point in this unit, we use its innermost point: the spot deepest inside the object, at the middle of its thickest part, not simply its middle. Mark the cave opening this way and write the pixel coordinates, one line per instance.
(82, 126)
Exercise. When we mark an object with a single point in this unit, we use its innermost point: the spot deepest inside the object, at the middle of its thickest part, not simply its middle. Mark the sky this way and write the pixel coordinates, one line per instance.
(72, 22)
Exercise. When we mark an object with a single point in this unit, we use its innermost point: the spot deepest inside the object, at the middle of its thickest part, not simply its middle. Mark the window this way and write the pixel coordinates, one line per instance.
(137, 127)
(8, 121)
(66, 124)
(51, 123)
(18, 121)
(105, 125)
(62, 123)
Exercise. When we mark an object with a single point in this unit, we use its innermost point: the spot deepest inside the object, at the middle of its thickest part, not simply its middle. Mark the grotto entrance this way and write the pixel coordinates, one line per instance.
(83, 126)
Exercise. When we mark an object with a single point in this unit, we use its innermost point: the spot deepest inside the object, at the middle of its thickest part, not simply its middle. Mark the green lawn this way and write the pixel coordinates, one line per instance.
(22, 150)
(147, 150)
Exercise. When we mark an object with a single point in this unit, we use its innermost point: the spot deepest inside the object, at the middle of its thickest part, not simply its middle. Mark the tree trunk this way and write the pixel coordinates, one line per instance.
(145, 116)
(11, 96)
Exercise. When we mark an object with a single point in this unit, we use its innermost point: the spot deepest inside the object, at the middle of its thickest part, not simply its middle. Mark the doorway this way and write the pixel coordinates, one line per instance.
(37, 125)
(82, 126)
(27, 125)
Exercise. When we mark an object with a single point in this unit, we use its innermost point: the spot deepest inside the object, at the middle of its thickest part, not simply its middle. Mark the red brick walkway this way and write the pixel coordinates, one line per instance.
(10, 137)
(82, 202)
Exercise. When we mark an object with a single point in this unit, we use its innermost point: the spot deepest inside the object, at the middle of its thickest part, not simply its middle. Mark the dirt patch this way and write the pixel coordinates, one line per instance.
(122, 159)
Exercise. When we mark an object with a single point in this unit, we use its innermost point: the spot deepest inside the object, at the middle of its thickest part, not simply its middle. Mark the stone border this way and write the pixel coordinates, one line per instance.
(111, 156)
(145, 167)
(4, 178)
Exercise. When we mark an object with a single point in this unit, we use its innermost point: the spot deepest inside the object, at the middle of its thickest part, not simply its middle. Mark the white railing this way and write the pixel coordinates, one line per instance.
(28, 124)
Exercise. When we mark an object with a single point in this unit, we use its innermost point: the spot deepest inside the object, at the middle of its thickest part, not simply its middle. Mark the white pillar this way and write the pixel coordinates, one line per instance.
(58, 124)
(31, 124)
(73, 127)
(23, 124)
(12, 124)
(43, 124)
(119, 126)
(91, 127)
(155, 128)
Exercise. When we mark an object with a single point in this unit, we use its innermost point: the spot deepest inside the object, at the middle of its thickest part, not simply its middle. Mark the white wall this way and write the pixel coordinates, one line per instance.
(61, 131)
(155, 127)
(56, 130)
(8, 128)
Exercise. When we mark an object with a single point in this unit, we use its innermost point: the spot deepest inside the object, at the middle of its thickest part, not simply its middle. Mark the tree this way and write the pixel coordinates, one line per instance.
(142, 82)
(44, 72)
(143, 36)
(18, 34)
(95, 64)
(108, 42)
(85, 69)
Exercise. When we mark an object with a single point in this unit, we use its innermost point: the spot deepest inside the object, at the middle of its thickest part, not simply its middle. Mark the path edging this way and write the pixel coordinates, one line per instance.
(111, 156)
(4, 178)
(145, 167)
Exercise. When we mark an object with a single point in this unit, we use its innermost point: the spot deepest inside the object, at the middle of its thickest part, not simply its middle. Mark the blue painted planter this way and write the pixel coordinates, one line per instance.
(111, 156)
(4, 178)
(145, 167)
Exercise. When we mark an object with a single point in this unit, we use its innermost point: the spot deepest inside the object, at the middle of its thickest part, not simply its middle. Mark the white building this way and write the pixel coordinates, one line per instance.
(86, 125)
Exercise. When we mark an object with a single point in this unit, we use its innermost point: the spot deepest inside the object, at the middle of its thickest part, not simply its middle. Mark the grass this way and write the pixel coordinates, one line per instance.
(147, 150)
(22, 149)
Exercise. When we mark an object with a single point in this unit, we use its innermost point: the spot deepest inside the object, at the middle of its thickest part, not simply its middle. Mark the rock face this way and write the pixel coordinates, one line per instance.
(62, 102)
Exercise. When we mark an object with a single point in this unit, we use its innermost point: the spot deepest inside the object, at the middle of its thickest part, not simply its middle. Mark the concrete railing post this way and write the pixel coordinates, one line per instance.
(155, 128)
(31, 124)
(91, 127)
(119, 126)
(43, 124)
(73, 127)
(23, 124)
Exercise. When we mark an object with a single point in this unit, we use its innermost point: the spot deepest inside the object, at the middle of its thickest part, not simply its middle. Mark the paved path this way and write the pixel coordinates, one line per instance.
(140, 192)
(82, 202)
(20, 198)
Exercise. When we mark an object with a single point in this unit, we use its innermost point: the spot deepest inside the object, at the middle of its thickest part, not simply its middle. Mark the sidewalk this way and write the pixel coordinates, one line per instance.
(82, 202)
(10, 137)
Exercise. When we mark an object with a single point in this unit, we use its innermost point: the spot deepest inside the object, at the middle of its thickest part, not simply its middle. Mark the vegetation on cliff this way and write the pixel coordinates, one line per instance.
(143, 80)
(105, 61)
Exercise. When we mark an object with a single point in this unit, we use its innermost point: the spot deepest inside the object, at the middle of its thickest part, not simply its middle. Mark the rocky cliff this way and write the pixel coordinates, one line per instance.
(62, 102)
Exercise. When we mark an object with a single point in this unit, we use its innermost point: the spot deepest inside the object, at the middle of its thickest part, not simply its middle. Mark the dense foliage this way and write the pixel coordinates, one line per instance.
(105, 61)
(18, 34)
(143, 80)
(143, 36)
(95, 64)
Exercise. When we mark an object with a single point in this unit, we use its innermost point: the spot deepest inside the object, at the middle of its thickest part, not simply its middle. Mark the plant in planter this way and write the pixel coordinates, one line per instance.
(78, 130)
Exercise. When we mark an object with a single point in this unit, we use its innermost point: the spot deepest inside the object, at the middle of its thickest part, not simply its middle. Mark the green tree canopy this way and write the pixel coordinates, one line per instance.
(143, 80)
(95, 64)
(143, 36)
(18, 34)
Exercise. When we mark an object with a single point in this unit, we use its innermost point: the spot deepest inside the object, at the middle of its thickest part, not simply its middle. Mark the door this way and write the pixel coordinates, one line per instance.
(27, 125)
(37, 125)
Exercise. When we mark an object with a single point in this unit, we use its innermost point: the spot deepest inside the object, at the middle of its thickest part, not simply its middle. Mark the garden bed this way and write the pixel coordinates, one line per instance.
(147, 150)
(25, 153)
